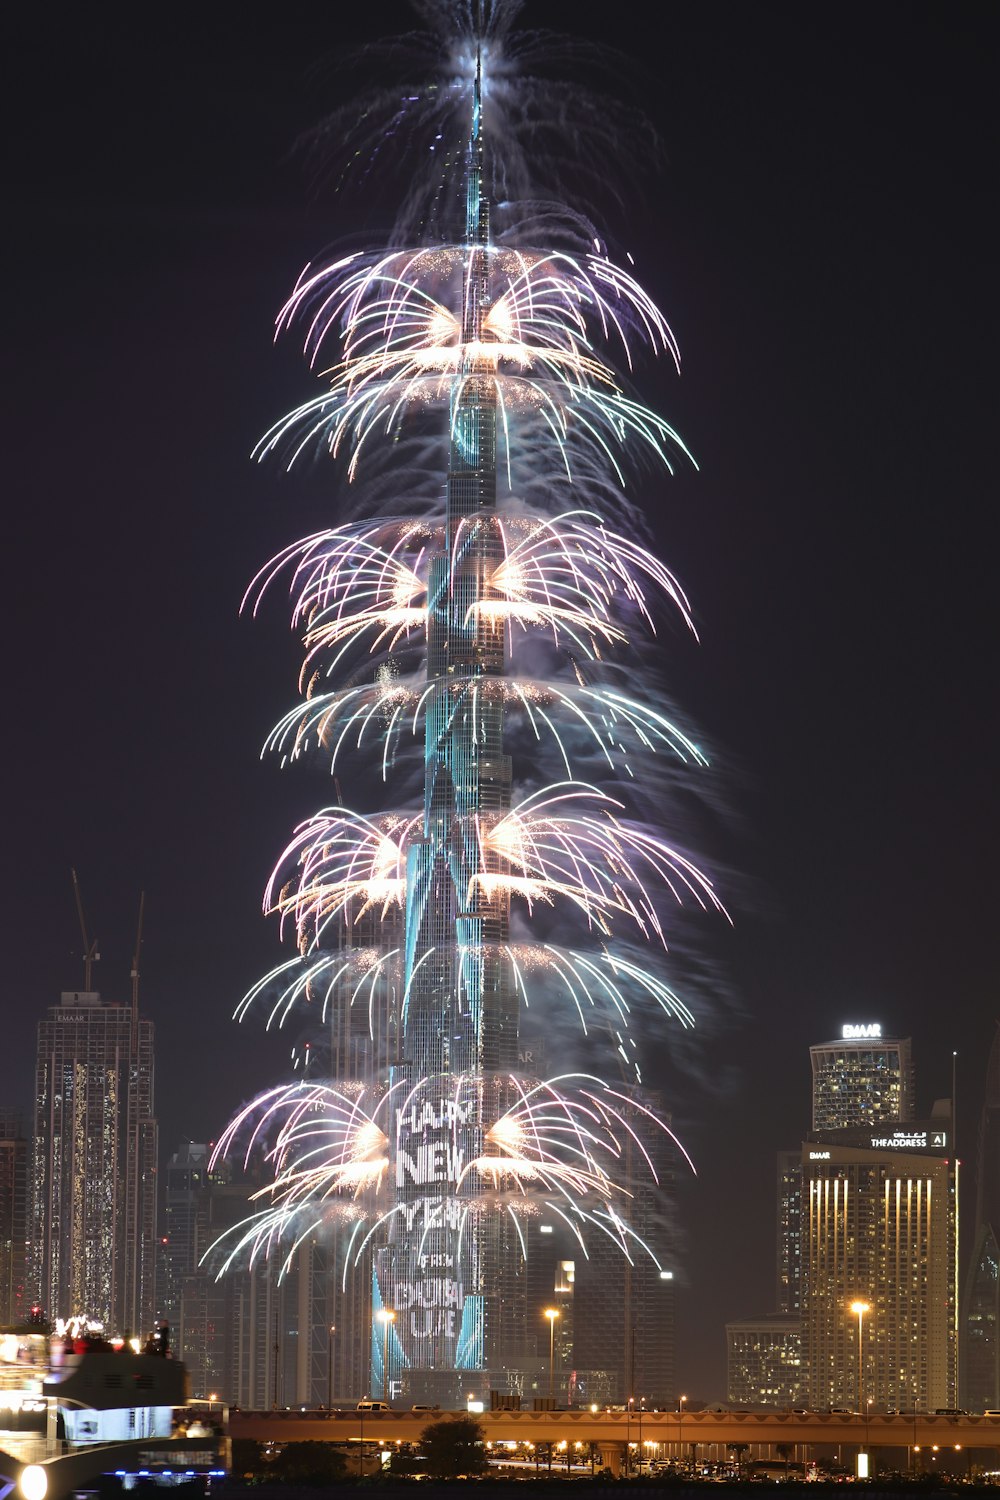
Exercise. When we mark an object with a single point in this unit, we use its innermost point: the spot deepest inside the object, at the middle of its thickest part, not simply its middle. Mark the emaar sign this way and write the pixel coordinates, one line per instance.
(872, 1032)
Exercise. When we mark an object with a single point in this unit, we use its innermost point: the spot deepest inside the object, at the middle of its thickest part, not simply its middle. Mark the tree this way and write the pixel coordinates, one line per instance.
(454, 1446)
(308, 1463)
(739, 1449)
(246, 1458)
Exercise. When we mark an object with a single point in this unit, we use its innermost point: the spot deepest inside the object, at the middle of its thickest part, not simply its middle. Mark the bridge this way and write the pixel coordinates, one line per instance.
(656, 1434)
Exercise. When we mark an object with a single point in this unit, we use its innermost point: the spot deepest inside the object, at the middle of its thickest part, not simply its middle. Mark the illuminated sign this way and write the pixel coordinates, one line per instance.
(427, 1286)
(819, 1156)
(873, 1031)
(911, 1140)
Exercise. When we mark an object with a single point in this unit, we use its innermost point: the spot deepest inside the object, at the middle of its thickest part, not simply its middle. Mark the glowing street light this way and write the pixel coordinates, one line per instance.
(552, 1313)
(859, 1309)
(680, 1423)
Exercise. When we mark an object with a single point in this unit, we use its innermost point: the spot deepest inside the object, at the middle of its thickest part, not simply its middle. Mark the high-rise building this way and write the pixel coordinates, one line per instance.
(879, 1231)
(861, 1079)
(423, 1163)
(764, 1361)
(980, 1385)
(182, 1241)
(93, 1188)
(624, 1314)
(14, 1162)
(788, 1239)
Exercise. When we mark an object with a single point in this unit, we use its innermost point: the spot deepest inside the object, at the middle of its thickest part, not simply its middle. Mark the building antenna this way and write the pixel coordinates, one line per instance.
(90, 953)
(135, 970)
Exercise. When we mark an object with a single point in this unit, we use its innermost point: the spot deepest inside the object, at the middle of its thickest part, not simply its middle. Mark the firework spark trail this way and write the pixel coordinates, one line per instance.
(392, 708)
(560, 1138)
(404, 348)
(565, 575)
(381, 314)
(541, 850)
(464, 624)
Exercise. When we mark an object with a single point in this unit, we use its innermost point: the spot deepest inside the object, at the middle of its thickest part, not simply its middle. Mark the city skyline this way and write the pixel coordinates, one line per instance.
(844, 695)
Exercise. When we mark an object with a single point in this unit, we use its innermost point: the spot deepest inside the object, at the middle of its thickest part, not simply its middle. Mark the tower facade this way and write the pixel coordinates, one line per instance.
(446, 1271)
(457, 629)
(788, 1237)
(861, 1078)
(15, 1153)
(879, 1230)
(981, 1301)
(93, 1187)
(764, 1361)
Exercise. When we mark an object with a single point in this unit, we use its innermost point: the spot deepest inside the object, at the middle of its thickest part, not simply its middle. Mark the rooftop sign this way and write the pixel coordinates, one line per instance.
(860, 1033)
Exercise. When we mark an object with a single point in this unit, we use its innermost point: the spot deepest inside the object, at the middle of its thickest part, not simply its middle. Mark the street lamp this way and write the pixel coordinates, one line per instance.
(329, 1368)
(642, 1400)
(386, 1316)
(680, 1422)
(859, 1309)
(552, 1313)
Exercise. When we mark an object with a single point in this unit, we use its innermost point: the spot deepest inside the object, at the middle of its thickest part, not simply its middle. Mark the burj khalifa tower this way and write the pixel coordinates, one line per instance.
(463, 626)
(441, 1272)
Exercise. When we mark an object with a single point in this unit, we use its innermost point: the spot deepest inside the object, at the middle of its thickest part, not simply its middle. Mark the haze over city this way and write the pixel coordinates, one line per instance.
(818, 235)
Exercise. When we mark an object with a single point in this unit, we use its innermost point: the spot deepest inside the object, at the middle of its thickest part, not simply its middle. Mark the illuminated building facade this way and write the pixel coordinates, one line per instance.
(788, 1239)
(93, 1188)
(980, 1345)
(434, 1147)
(879, 1227)
(764, 1361)
(453, 1278)
(861, 1079)
(15, 1151)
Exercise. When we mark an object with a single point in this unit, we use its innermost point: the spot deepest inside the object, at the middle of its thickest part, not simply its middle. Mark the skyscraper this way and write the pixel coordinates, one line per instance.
(764, 1361)
(465, 624)
(788, 1238)
(861, 1079)
(93, 1189)
(14, 1161)
(981, 1300)
(879, 1231)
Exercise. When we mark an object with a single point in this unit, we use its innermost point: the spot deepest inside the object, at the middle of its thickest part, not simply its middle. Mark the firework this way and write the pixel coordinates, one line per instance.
(452, 624)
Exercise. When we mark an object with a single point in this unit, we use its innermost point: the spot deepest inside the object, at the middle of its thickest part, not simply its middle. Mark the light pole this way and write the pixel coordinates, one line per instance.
(859, 1308)
(680, 1430)
(386, 1317)
(552, 1313)
(329, 1367)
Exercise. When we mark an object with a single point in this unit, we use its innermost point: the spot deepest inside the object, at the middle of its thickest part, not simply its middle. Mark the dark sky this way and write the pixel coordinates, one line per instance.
(822, 238)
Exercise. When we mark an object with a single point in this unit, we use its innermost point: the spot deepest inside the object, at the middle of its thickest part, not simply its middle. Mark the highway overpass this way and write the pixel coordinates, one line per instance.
(663, 1434)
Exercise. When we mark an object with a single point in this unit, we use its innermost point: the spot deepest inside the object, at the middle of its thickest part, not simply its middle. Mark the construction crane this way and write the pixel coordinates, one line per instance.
(90, 953)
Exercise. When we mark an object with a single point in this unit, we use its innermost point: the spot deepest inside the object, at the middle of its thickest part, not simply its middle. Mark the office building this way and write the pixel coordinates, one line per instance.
(788, 1238)
(624, 1313)
(861, 1079)
(764, 1361)
(14, 1161)
(879, 1229)
(980, 1385)
(93, 1187)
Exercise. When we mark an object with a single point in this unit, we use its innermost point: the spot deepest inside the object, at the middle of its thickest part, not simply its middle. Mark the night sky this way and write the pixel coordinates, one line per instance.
(822, 238)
